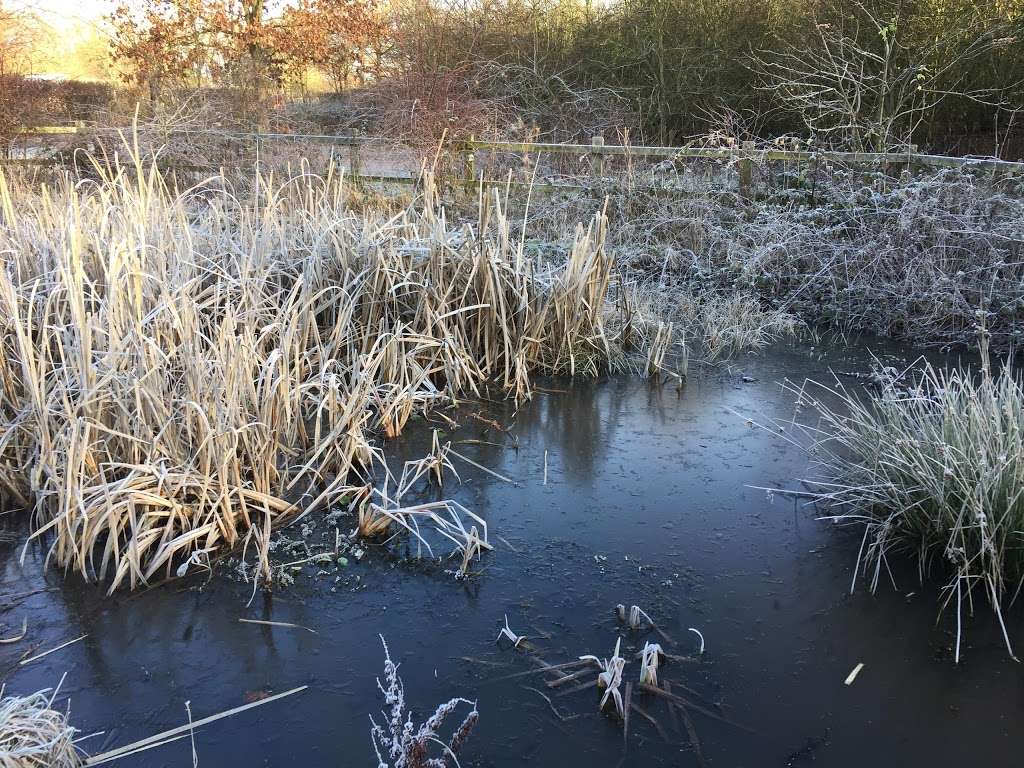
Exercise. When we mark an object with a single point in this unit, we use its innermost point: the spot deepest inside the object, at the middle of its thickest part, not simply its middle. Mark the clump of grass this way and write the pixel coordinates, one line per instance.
(651, 657)
(610, 678)
(455, 524)
(182, 370)
(34, 735)
(936, 470)
(732, 323)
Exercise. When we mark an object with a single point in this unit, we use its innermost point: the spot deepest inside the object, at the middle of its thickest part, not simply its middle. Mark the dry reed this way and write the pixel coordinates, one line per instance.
(183, 370)
(34, 735)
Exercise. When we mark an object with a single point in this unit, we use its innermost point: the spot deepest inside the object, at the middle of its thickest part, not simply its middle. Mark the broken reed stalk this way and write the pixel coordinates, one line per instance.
(177, 367)
(691, 729)
(452, 521)
(183, 730)
(545, 668)
(677, 699)
(432, 466)
(38, 656)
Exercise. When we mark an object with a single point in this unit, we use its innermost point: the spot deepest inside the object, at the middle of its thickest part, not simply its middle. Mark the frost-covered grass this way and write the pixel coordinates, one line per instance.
(177, 368)
(716, 324)
(34, 735)
(909, 257)
(935, 470)
(399, 743)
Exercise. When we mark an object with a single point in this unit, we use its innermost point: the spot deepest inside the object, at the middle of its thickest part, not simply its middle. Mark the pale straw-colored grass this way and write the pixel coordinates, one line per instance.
(34, 735)
(182, 371)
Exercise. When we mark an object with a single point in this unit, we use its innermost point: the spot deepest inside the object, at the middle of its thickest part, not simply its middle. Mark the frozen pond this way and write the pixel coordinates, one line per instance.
(649, 500)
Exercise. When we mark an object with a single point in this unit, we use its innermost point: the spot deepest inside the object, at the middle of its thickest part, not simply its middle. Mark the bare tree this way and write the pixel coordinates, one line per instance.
(20, 33)
(864, 85)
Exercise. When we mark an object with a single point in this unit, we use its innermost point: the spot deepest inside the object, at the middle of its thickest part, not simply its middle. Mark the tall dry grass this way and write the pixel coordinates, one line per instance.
(182, 370)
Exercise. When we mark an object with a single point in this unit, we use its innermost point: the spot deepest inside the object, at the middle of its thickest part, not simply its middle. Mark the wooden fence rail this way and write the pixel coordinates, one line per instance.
(875, 159)
(745, 156)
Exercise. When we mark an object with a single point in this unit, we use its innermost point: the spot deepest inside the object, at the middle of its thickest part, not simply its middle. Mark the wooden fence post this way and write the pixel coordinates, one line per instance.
(746, 170)
(597, 142)
(470, 162)
(354, 166)
(911, 153)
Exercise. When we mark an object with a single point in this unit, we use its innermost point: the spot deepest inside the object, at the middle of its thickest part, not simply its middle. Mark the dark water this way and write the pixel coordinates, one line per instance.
(648, 501)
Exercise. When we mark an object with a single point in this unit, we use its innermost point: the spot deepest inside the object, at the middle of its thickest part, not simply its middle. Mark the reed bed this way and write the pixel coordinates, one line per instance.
(182, 370)
(937, 470)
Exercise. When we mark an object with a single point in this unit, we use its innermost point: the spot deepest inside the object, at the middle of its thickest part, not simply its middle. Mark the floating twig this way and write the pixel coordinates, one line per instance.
(485, 469)
(506, 542)
(285, 624)
(691, 729)
(551, 704)
(545, 668)
(853, 675)
(21, 636)
(489, 422)
(578, 688)
(569, 678)
(625, 713)
(703, 710)
(651, 719)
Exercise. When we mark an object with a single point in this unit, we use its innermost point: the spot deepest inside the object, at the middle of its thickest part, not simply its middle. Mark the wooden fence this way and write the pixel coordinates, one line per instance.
(745, 156)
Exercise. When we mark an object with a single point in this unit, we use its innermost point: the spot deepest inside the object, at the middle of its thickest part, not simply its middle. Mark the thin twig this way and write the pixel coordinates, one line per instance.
(52, 650)
(285, 624)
